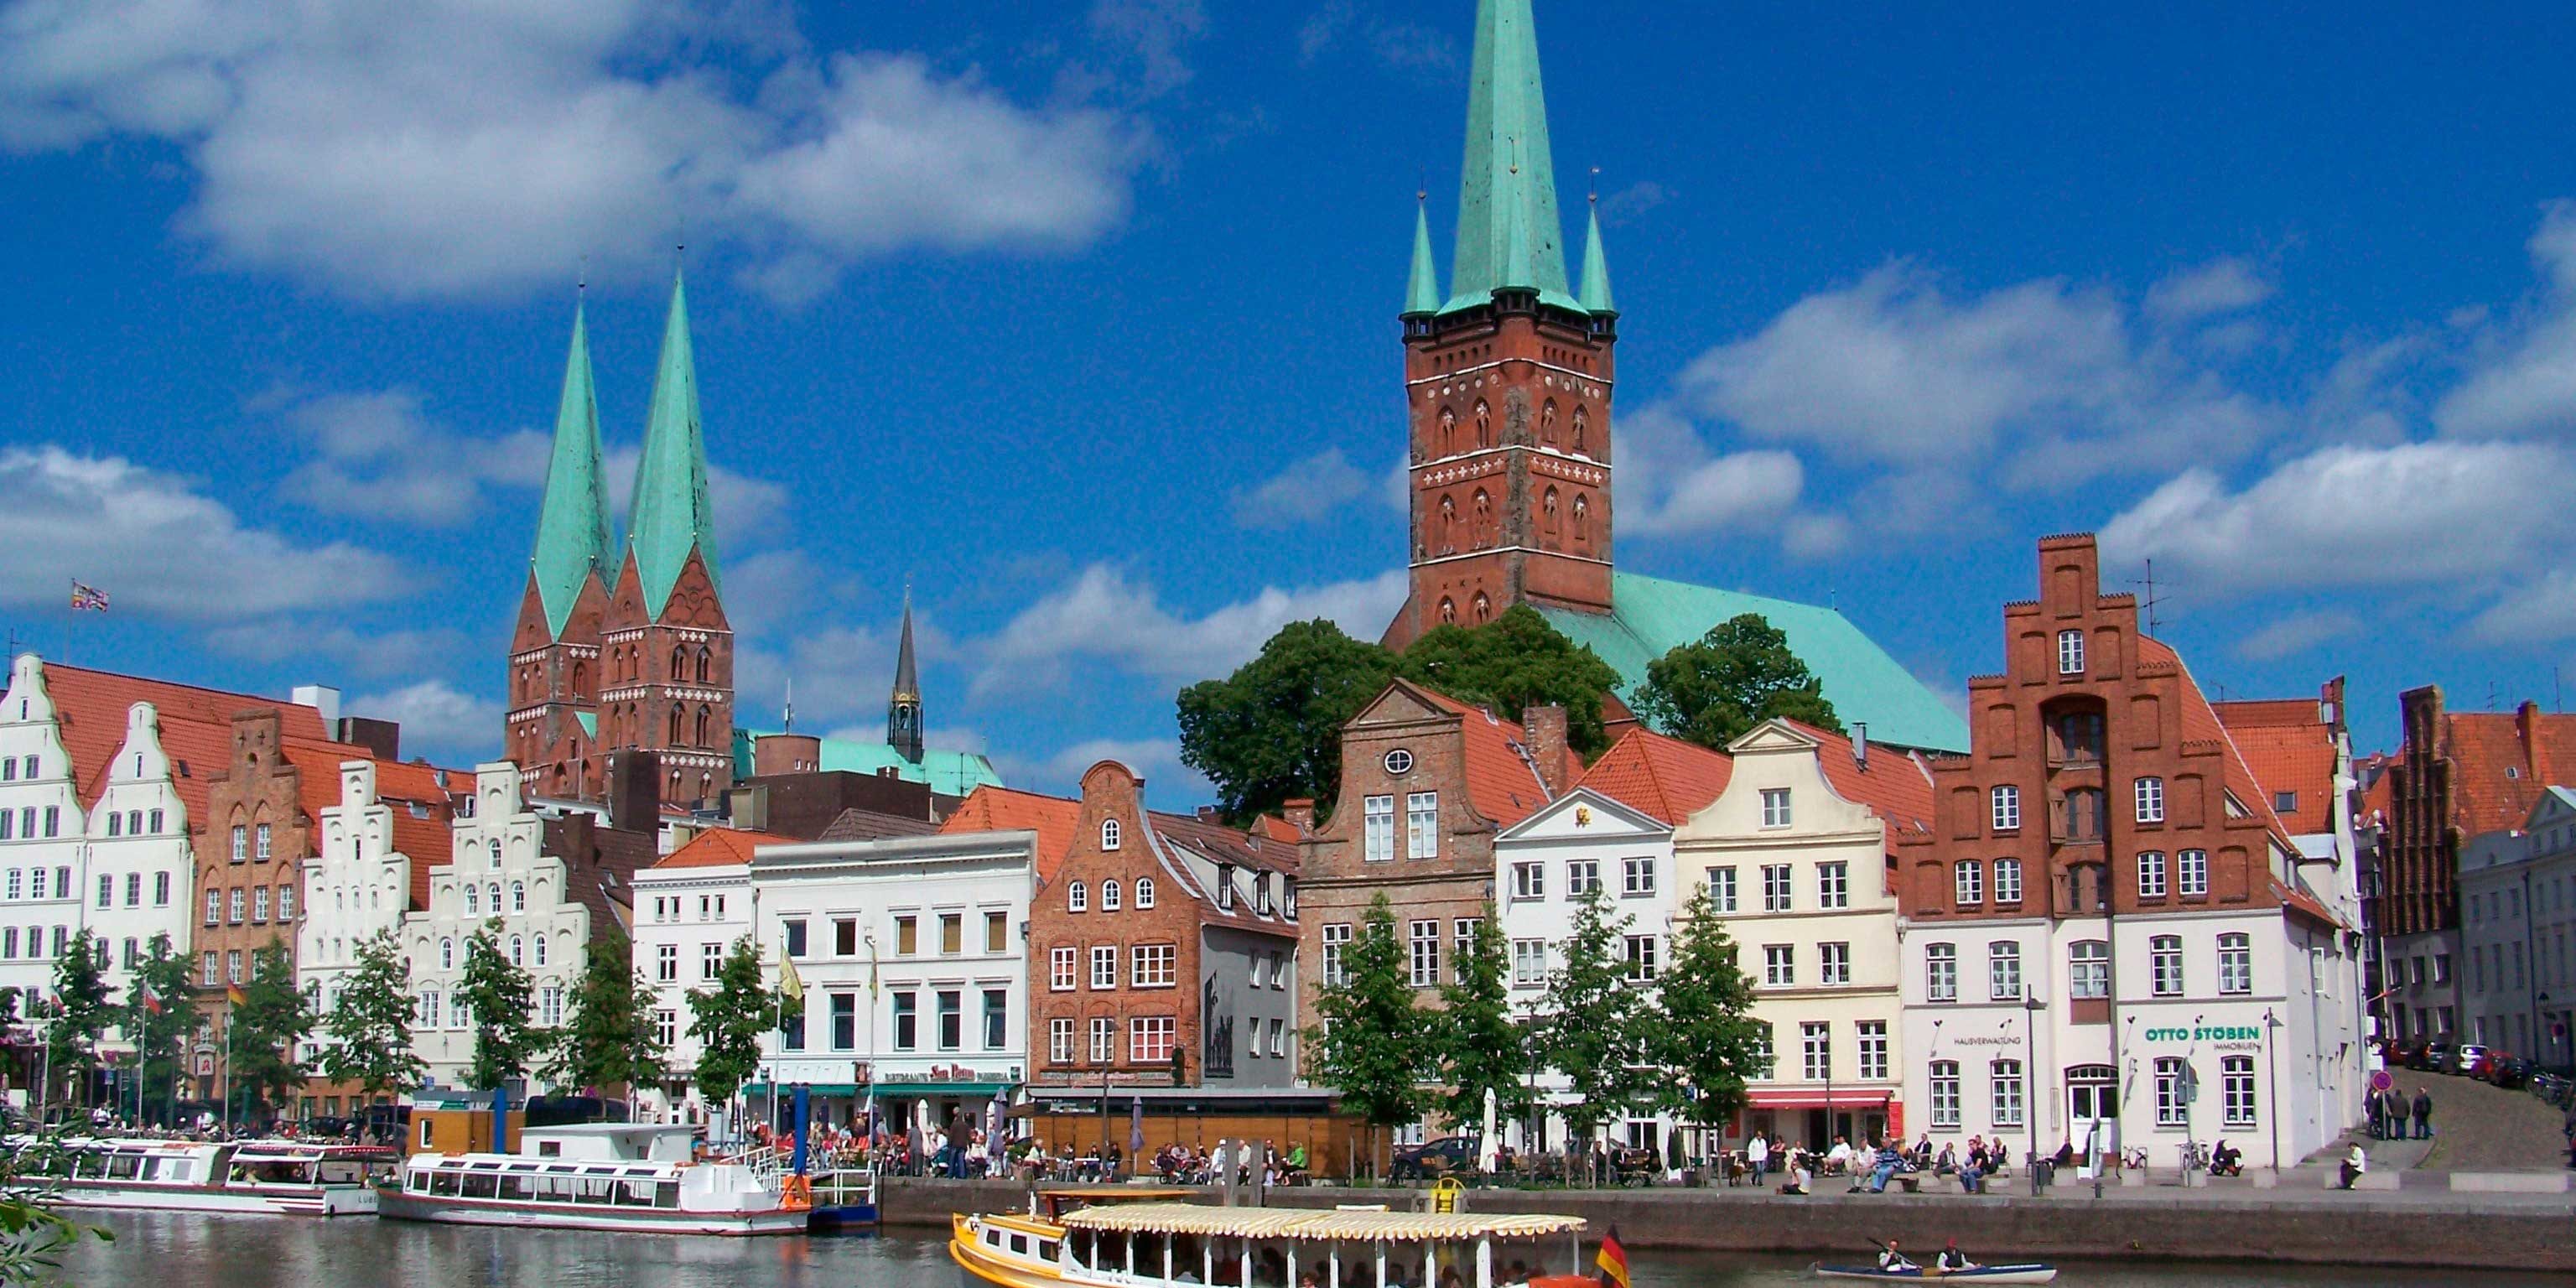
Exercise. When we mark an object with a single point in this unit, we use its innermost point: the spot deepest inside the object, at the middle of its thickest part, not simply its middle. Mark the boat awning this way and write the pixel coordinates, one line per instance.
(1291, 1223)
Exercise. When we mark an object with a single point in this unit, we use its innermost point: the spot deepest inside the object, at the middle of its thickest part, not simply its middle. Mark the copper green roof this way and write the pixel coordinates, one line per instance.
(589, 723)
(949, 773)
(671, 514)
(1596, 270)
(1864, 683)
(572, 524)
(1510, 173)
(1422, 287)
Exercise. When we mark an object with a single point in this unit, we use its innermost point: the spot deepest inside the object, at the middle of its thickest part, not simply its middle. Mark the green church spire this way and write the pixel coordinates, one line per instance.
(572, 525)
(671, 513)
(1596, 270)
(1510, 174)
(1422, 290)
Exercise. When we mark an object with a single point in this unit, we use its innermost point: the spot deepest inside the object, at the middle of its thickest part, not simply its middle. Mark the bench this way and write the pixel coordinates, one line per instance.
(2506, 1182)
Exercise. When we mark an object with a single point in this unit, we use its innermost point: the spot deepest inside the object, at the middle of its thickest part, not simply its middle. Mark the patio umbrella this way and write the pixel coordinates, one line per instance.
(921, 1129)
(996, 1146)
(1489, 1151)
(1135, 1128)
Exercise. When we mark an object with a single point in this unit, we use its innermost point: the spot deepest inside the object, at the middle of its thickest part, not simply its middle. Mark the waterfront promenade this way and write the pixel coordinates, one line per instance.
(2422, 1223)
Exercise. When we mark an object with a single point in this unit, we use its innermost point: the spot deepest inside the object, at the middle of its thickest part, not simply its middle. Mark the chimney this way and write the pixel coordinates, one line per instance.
(382, 737)
(634, 791)
(321, 697)
(1300, 814)
(1546, 729)
(1860, 744)
(2535, 754)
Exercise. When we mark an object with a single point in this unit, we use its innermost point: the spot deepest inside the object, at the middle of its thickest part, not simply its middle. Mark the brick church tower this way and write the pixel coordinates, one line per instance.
(667, 648)
(1507, 377)
(553, 723)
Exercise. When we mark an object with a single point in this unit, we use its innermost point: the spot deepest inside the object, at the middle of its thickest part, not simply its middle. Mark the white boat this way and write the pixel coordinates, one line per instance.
(2027, 1272)
(1158, 1243)
(257, 1177)
(628, 1177)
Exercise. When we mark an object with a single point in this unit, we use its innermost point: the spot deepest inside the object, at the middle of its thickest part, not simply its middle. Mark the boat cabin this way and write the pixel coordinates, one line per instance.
(1168, 1244)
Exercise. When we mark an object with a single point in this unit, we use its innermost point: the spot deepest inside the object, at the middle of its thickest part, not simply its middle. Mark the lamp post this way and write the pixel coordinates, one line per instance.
(2272, 1080)
(2030, 1008)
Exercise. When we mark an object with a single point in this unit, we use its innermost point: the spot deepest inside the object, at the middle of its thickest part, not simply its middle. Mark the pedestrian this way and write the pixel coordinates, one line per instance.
(2378, 1113)
(2354, 1164)
(1757, 1155)
(2396, 1114)
(2423, 1113)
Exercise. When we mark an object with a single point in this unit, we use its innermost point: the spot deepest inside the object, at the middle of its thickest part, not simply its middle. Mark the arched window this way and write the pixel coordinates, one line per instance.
(581, 679)
(703, 655)
(541, 950)
(679, 662)
(1582, 518)
(1484, 425)
(473, 901)
(1145, 892)
(496, 854)
(1108, 841)
(494, 890)
(1448, 611)
(447, 954)
(518, 896)
(675, 726)
(1547, 512)
(518, 951)
(1481, 535)
(1109, 896)
(1579, 427)
(1448, 432)
(705, 714)
(1484, 608)
(1448, 526)
(1077, 898)
(1547, 423)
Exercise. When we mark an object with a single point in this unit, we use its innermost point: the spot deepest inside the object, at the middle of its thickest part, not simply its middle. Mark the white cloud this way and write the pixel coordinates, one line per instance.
(1672, 485)
(1304, 492)
(378, 456)
(773, 589)
(373, 652)
(437, 719)
(1892, 369)
(743, 504)
(2221, 286)
(1393, 43)
(157, 545)
(2541, 611)
(1156, 760)
(2414, 513)
(454, 148)
(1104, 616)
(2297, 633)
(2523, 379)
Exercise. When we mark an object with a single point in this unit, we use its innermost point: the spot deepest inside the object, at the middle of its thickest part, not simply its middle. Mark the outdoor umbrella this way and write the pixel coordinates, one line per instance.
(1489, 1151)
(1135, 1128)
(996, 1145)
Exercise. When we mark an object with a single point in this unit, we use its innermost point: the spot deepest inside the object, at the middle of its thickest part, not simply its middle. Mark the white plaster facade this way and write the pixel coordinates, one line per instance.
(686, 920)
(137, 859)
(1545, 866)
(497, 872)
(42, 830)
(2517, 967)
(1799, 873)
(913, 955)
(356, 886)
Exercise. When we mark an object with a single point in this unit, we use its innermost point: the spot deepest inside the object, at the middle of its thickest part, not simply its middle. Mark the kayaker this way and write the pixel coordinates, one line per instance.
(1890, 1259)
(1951, 1259)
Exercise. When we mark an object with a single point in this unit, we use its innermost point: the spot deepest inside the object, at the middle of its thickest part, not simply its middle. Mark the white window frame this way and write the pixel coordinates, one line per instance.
(2235, 963)
(1779, 965)
(1060, 1040)
(1833, 964)
(2151, 874)
(1945, 1095)
(1968, 882)
(1873, 1050)
(1422, 825)
(2236, 1095)
(2008, 887)
(1529, 963)
(2164, 966)
(2011, 1093)
(1104, 967)
(1779, 887)
(1064, 969)
(1422, 952)
(2088, 970)
(1833, 885)
(1582, 877)
(1644, 959)
(1941, 972)
(1077, 898)
(1529, 880)
(2192, 867)
(1337, 937)
(2150, 794)
(1110, 839)
(1154, 965)
(1377, 829)
(1776, 807)
(1815, 1050)
(1721, 889)
(2003, 971)
(1637, 876)
(2170, 1109)
(2004, 803)
(2070, 652)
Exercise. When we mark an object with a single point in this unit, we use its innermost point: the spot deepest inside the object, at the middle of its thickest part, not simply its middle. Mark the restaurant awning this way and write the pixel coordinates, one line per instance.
(1813, 1098)
(887, 1090)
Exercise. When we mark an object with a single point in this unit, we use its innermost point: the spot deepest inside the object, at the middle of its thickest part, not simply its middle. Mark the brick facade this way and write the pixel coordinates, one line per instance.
(668, 684)
(250, 855)
(1219, 898)
(554, 681)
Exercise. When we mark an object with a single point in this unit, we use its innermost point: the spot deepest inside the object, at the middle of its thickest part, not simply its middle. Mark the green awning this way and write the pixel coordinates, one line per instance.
(886, 1090)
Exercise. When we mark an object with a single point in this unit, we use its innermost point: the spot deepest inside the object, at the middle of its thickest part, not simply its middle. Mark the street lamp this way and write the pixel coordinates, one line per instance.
(2030, 1008)
(2272, 1079)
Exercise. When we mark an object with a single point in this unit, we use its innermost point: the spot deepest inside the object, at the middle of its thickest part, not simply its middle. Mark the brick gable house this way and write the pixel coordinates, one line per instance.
(1427, 784)
(1156, 934)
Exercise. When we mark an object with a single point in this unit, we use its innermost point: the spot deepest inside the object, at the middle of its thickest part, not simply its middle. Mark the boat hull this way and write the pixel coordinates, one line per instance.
(977, 1269)
(229, 1199)
(2024, 1273)
(564, 1216)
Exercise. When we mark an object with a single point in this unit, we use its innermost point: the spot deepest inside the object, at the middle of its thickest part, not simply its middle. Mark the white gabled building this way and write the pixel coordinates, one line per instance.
(42, 827)
(136, 854)
(690, 909)
(498, 871)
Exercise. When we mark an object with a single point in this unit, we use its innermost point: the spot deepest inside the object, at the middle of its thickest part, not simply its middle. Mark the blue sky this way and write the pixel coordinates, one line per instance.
(1082, 318)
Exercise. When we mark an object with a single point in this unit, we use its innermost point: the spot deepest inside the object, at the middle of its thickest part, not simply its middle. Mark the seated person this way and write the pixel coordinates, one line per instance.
(1892, 1260)
(1889, 1162)
(1952, 1259)
(1838, 1158)
(2065, 1154)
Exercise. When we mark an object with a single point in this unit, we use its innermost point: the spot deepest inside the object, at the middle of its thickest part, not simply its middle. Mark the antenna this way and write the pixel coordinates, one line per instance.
(1595, 197)
(787, 717)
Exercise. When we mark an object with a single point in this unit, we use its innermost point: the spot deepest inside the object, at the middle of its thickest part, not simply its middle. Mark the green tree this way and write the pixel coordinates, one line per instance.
(611, 1038)
(1705, 1031)
(369, 1024)
(1713, 689)
(1272, 731)
(502, 1001)
(729, 1020)
(1597, 1027)
(1369, 1043)
(1514, 663)
(33, 1236)
(268, 1026)
(9, 1043)
(82, 1010)
(1480, 1047)
(160, 1018)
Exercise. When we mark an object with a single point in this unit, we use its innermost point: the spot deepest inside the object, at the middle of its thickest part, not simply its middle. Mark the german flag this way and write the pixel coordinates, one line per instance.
(233, 994)
(1613, 1260)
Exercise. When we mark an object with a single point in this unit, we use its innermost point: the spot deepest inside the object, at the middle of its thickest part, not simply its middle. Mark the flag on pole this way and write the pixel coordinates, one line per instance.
(790, 985)
(88, 599)
(151, 1000)
(1613, 1260)
(234, 995)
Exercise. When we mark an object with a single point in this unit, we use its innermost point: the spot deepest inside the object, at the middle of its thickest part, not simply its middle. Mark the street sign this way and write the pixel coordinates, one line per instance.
(2382, 1080)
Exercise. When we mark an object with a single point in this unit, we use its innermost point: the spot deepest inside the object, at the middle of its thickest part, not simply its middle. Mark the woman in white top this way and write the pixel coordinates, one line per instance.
(1757, 1154)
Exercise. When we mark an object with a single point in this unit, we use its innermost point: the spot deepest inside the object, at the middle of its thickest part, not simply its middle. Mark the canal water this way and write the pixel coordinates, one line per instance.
(163, 1251)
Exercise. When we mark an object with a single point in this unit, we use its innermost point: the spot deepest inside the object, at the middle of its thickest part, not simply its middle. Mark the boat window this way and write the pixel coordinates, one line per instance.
(123, 1167)
(480, 1185)
(635, 1194)
(666, 1194)
(1020, 1244)
(516, 1186)
(1046, 1249)
(598, 1189)
(549, 1149)
(179, 1169)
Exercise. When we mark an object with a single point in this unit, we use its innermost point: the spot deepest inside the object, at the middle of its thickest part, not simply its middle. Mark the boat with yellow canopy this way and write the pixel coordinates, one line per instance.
(1103, 1238)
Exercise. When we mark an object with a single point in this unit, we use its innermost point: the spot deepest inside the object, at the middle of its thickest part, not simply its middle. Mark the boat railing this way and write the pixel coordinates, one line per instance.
(844, 1187)
(765, 1164)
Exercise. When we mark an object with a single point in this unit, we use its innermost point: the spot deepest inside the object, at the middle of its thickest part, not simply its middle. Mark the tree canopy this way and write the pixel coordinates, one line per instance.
(728, 1021)
(160, 1018)
(1598, 1029)
(1272, 732)
(1368, 1041)
(1714, 689)
(501, 999)
(369, 1024)
(81, 1011)
(611, 1038)
(1480, 1047)
(1513, 663)
(1706, 1032)
(269, 1026)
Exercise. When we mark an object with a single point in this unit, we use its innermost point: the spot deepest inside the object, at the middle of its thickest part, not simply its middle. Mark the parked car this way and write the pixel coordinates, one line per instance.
(2436, 1057)
(2508, 1070)
(1431, 1160)
(2462, 1059)
(2405, 1053)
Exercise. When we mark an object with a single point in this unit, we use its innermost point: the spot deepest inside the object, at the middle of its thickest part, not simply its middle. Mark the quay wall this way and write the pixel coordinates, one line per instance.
(2421, 1230)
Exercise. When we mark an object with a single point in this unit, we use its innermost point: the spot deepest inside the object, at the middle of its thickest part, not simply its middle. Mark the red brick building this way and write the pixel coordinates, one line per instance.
(1427, 783)
(1158, 934)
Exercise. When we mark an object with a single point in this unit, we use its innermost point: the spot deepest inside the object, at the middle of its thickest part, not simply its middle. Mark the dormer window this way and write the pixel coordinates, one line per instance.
(1261, 893)
(1225, 885)
(1108, 838)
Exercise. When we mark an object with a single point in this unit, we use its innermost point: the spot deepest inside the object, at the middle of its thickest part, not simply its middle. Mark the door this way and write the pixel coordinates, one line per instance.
(2092, 1095)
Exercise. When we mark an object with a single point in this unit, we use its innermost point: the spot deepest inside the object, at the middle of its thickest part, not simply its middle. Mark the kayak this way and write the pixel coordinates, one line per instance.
(2027, 1272)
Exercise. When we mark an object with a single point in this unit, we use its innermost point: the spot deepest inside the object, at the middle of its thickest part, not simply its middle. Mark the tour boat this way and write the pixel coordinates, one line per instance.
(2027, 1272)
(625, 1177)
(258, 1177)
(1136, 1241)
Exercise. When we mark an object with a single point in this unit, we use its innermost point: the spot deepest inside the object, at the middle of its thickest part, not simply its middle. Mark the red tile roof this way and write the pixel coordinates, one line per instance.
(196, 727)
(2289, 748)
(1279, 829)
(2200, 724)
(1501, 782)
(1664, 778)
(720, 847)
(1895, 786)
(1001, 809)
(2502, 761)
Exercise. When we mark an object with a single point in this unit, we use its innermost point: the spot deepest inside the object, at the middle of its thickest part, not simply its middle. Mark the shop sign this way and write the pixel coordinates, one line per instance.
(2223, 1034)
